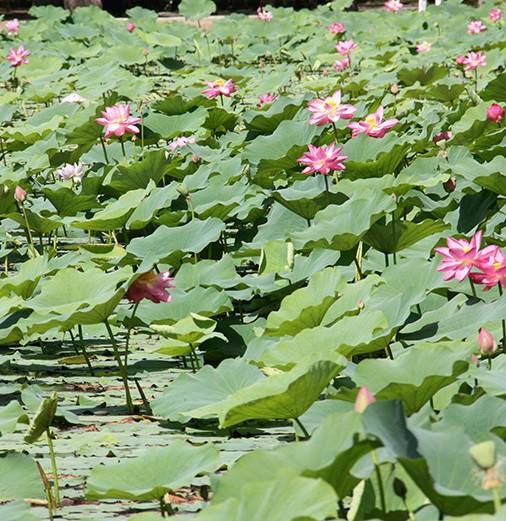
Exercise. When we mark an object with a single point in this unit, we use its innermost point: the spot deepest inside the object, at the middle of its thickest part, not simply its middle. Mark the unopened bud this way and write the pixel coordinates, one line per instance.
(394, 88)
(486, 342)
(19, 194)
(450, 184)
(484, 454)
(363, 400)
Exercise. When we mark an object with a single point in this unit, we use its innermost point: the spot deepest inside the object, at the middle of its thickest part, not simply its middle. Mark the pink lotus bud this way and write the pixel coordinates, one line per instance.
(460, 59)
(19, 194)
(495, 113)
(130, 27)
(145, 51)
(486, 342)
(475, 360)
(442, 136)
(394, 88)
(364, 399)
(450, 185)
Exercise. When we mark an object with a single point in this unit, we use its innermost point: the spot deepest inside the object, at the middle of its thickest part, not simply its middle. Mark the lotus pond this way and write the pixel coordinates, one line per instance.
(253, 272)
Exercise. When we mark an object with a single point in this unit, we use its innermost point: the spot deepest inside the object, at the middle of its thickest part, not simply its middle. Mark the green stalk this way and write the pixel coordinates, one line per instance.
(29, 236)
(473, 289)
(122, 369)
(122, 147)
(83, 347)
(503, 322)
(497, 499)
(105, 151)
(2, 149)
(380, 481)
(302, 428)
(53, 466)
(127, 341)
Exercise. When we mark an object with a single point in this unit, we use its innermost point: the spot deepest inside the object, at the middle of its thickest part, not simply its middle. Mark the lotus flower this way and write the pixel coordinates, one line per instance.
(336, 28)
(266, 99)
(73, 97)
(131, 27)
(340, 65)
(476, 27)
(329, 110)
(461, 256)
(486, 342)
(495, 14)
(364, 399)
(495, 113)
(69, 171)
(394, 6)
(19, 194)
(345, 47)
(473, 60)
(323, 159)
(373, 125)
(181, 142)
(264, 15)
(117, 121)
(12, 27)
(442, 136)
(219, 88)
(423, 47)
(492, 269)
(18, 56)
(460, 60)
(151, 286)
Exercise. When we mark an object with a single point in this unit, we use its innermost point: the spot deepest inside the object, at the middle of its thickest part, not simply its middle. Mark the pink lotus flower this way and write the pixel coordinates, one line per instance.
(345, 47)
(323, 159)
(69, 171)
(461, 256)
(364, 399)
(495, 113)
(151, 286)
(495, 14)
(12, 27)
(476, 27)
(181, 142)
(264, 15)
(219, 88)
(423, 47)
(336, 28)
(265, 99)
(19, 194)
(131, 27)
(393, 6)
(341, 65)
(460, 60)
(473, 60)
(329, 110)
(117, 121)
(18, 56)
(373, 125)
(486, 342)
(492, 269)
(442, 136)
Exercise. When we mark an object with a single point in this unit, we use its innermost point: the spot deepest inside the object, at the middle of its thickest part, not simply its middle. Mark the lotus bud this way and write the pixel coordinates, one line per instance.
(475, 360)
(484, 454)
(486, 342)
(183, 190)
(394, 88)
(495, 113)
(19, 194)
(450, 184)
(363, 400)
(400, 488)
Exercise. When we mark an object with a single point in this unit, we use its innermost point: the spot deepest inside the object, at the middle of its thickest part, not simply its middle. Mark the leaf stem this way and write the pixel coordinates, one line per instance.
(380, 481)
(105, 151)
(127, 341)
(302, 428)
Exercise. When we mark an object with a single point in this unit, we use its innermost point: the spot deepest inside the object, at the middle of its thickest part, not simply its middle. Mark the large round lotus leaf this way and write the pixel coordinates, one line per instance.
(152, 474)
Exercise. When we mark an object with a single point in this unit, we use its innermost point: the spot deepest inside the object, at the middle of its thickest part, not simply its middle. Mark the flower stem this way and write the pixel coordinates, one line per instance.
(497, 499)
(53, 466)
(127, 341)
(83, 347)
(503, 322)
(473, 289)
(335, 131)
(2, 149)
(29, 236)
(122, 369)
(327, 188)
(122, 147)
(105, 151)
